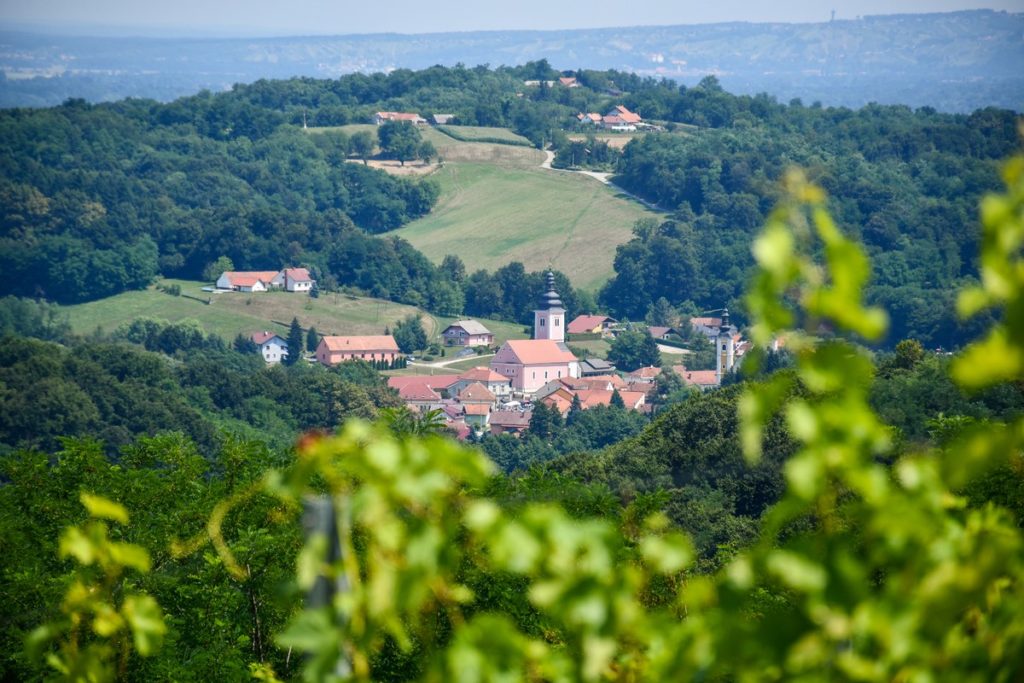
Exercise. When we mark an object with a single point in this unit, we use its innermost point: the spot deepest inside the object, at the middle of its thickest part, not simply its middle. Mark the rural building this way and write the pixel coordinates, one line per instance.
(334, 350)
(659, 332)
(420, 396)
(247, 281)
(531, 363)
(438, 383)
(289, 279)
(591, 119)
(568, 82)
(383, 116)
(513, 422)
(499, 385)
(294, 280)
(644, 375)
(467, 333)
(620, 119)
(591, 324)
(708, 326)
(273, 348)
(702, 379)
(596, 366)
(442, 119)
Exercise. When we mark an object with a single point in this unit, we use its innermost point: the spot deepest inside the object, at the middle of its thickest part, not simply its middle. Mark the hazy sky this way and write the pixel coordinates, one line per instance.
(295, 17)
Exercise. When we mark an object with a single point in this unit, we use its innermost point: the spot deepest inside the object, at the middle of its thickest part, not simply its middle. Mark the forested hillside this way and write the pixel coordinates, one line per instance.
(100, 198)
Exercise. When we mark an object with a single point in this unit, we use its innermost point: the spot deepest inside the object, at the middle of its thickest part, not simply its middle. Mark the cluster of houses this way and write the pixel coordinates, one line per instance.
(617, 119)
(500, 398)
(287, 279)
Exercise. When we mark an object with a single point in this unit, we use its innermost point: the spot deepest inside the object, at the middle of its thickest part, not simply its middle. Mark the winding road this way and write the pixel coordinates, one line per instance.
(603, 178)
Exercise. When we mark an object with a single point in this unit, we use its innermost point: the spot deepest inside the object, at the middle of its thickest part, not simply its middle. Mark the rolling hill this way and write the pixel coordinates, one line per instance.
(498, 205)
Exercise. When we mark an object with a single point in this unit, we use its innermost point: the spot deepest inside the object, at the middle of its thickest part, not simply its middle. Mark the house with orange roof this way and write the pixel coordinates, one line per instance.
(334, 350)
(568, 82)
(295, 280)
(589, 119)
(621, 119)
(645, 375)
(439, 383)
(247, 281)
(559, 402)
(499, 385)
(702, 379)
(421, 397)
(591, 324)
(272, 346)
(476, 394)
(513, 422)
(591, 398)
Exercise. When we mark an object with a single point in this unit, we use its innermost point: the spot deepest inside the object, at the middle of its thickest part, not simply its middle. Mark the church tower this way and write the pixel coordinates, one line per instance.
(725, 348)
(549, 318)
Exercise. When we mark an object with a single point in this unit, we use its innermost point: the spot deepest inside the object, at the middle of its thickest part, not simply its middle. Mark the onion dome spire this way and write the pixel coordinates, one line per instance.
(550, 298)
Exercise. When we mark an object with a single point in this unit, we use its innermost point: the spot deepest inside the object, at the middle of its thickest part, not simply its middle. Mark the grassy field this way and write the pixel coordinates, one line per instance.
(231, 313)
(482, 133)
(491, 215)
(497, 205)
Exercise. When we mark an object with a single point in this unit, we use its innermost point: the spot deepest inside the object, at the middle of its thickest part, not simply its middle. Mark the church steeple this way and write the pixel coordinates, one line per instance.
(725, 348)
(549, 318)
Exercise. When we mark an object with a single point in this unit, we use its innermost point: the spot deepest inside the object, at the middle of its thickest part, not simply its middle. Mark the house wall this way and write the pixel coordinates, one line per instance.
(274, 351)
(327, 357)
(224, 282)
(549, 325)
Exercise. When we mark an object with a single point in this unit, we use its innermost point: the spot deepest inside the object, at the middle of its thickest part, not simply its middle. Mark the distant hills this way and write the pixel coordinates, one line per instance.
(956, 62)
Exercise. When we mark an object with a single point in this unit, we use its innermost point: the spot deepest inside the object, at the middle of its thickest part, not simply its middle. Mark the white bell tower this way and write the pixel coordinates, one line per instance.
(549, 318)
(725, 348)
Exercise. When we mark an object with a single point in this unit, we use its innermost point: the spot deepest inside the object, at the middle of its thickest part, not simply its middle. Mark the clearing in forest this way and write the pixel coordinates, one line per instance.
(498, 205)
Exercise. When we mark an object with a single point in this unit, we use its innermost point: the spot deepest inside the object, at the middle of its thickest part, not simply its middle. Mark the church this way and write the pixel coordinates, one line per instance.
(531, 363)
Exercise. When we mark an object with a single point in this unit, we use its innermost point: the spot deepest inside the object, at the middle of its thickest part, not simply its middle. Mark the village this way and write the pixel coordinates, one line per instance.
(499, 397)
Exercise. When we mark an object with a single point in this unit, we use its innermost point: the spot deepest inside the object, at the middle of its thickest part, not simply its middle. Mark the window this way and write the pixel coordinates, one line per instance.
(542, 322)
(556, 322)
(545, 374)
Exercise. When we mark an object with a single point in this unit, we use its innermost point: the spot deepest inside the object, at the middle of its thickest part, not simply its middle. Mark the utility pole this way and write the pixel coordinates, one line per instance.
(319, 517)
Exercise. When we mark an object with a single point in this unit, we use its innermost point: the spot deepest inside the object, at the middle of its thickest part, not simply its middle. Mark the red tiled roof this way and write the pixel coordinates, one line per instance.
(539, 351)
(377, 342)
(633, 399)
(483, 374)
(563, 404)
(298, 274)
(706, 322)
(511, 418)
(614, 380)
(432, 381)
(657, 331)
(418, 392)
(699, 378)
(627, 115)
(586, 323)
(476, 409)
(476, 392)
(248, 278)
(261, 338)
(567, 80)
(647, 372)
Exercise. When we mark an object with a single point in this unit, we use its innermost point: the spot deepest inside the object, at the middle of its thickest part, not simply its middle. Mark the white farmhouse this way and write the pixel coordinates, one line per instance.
(273, 348)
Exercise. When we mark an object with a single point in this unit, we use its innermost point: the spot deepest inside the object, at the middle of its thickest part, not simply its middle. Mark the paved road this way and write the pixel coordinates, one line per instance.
(603, 178)
(445, 363)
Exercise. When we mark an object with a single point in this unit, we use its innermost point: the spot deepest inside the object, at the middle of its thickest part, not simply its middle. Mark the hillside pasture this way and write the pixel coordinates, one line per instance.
(230, 313)
(492, 215)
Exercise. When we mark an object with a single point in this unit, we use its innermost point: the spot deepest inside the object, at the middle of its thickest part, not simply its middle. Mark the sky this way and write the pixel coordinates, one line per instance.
(326, 17)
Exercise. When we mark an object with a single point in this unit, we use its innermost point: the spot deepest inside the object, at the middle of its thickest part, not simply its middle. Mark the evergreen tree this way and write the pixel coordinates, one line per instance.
(546, 421)
(617, 401)
(575, 410)
(244, 344)
(295, 343)
(312, 339)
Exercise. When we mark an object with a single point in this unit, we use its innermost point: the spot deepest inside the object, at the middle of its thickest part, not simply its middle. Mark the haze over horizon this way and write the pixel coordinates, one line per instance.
(263, 18)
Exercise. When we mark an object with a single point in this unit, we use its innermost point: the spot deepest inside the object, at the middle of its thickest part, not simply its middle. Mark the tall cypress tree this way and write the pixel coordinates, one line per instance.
(295, 343)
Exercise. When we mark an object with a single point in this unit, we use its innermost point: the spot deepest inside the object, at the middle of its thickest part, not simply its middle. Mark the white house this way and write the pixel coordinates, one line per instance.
(273, 348)
(295, 280)
(467, 333)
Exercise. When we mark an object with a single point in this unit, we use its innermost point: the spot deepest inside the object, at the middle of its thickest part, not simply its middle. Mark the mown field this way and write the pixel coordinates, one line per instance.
(491, 215)
(231, 313)
(497, 205)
